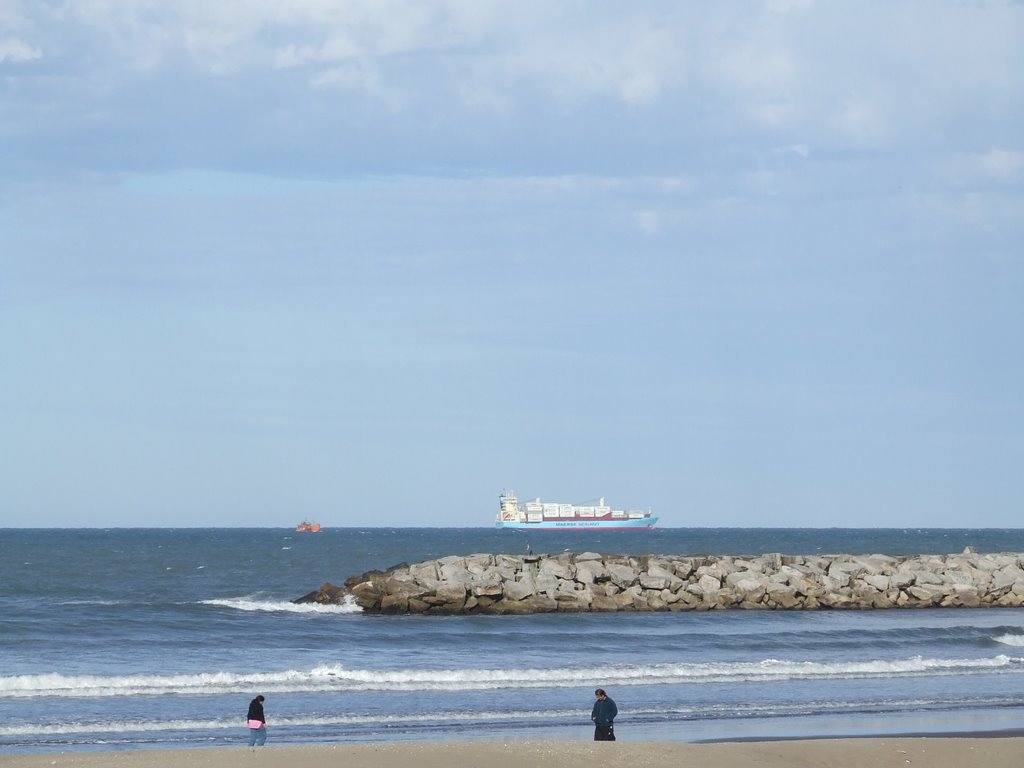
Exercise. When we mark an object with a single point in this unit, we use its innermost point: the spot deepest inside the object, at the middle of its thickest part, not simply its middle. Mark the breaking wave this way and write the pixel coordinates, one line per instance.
(284, 606)
(1014, 640)
(336, 678)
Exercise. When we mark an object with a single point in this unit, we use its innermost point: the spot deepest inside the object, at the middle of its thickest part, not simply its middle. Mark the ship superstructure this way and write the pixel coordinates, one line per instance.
(537, 514)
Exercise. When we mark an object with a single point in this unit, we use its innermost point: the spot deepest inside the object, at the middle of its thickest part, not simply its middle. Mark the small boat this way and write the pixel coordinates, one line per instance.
(307, 527)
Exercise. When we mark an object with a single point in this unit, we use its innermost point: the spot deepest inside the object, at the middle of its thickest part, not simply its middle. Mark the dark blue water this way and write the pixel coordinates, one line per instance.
(133, 638)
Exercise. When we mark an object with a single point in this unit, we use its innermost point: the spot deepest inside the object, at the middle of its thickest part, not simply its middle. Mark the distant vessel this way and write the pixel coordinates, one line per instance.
(541, 515)
(307, 527)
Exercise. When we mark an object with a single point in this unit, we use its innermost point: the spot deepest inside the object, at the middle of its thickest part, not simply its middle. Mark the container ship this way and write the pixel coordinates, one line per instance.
(545, 515)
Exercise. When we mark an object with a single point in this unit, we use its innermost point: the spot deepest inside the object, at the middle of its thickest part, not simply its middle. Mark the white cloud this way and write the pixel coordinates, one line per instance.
(576, 59)
(799, 150)
(649, 222)
(861, 122)
(789, 6)
(573, 56)
(983, 212)
(1000, 164)
(360, 76)
(18, 51)
(334, 50)
(870, 75)
(764, 65)
(676, 184)
(862, 75)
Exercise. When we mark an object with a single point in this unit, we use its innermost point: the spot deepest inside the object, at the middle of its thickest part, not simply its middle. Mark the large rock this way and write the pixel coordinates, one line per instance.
(621, 575)
(507, 584)
(521, 589)
(592, 572)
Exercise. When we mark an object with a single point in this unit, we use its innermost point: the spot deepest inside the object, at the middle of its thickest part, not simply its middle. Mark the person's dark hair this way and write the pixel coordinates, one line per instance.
(260, 698)
(599, 692)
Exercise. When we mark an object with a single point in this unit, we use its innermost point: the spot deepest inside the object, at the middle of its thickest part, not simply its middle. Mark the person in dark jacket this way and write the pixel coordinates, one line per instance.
(603, 715)
(257, 723)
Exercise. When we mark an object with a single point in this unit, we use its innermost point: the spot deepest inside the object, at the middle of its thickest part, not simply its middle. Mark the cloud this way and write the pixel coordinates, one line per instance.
(861, 121)
(870, 76)
(592, 88)
(649, 222)
(1000, 164)
(18, 51)
(789, 6)
(799, 150)
(633, 60)
(997, 217)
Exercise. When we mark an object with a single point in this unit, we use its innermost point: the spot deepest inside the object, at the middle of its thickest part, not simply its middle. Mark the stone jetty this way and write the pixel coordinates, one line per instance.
(568, 582)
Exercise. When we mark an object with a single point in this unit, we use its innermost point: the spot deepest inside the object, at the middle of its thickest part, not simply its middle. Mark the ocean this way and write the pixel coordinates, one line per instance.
(158, 638)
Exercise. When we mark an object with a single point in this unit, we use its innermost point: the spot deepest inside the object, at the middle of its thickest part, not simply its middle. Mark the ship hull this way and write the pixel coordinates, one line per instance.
(561, 525)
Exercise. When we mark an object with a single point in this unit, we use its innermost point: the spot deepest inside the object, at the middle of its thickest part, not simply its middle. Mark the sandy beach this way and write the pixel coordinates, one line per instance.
(991, 752)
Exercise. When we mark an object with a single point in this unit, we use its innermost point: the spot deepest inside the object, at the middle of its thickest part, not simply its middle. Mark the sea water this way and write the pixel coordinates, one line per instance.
(136, 638)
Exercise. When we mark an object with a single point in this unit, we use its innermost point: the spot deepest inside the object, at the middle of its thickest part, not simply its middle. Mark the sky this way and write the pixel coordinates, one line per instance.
(373, 262)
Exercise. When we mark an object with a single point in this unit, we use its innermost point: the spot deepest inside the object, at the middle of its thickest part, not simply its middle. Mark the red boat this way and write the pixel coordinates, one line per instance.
(306, 527)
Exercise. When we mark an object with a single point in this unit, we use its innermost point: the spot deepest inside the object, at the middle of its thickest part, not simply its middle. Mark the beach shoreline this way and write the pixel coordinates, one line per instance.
(174, 631)
(989, 750)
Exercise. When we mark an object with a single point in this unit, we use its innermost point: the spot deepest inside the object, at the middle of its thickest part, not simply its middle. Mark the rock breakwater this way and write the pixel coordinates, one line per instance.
(568, 582)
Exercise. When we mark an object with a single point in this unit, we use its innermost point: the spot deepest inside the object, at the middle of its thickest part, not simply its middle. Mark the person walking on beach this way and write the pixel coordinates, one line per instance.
(603, 715)
(257, 723)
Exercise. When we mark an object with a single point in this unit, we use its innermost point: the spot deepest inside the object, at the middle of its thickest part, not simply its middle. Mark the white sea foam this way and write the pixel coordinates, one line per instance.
(235, 723)
(336, 678)
(1014, 640)
(284, 606)
(674, 713)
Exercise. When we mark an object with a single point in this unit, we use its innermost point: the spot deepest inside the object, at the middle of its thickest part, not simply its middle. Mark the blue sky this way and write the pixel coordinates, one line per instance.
(746, 263)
